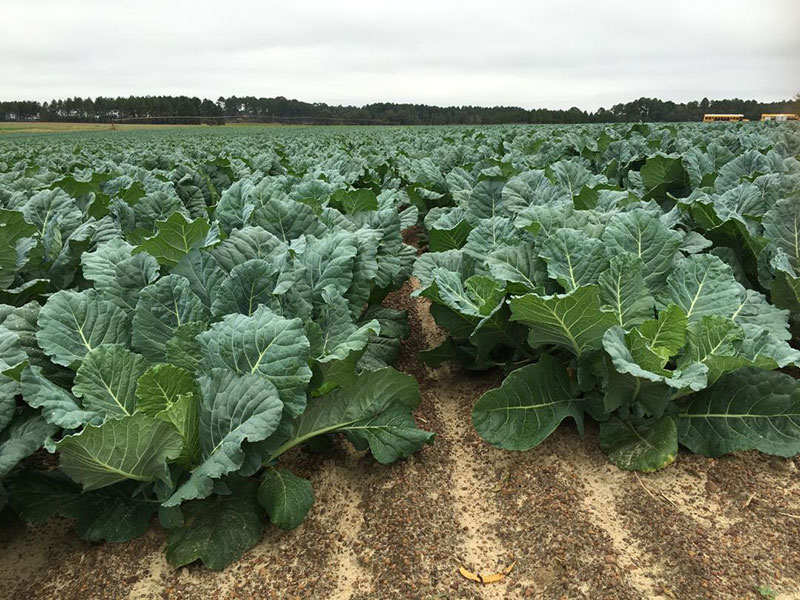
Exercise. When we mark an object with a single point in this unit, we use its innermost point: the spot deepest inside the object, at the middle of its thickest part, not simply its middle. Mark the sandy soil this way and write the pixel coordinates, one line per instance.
(576, 526)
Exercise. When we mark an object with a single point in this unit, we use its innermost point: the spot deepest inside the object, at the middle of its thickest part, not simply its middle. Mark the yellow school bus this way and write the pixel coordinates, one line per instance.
(778, 117)
(713, 118)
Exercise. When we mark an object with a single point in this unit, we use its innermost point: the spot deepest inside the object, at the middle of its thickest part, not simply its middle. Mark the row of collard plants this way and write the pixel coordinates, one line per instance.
(178, 310)
(658, 298)
(170, 343)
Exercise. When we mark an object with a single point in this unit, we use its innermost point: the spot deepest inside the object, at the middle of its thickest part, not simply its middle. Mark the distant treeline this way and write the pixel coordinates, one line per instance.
(103, 109)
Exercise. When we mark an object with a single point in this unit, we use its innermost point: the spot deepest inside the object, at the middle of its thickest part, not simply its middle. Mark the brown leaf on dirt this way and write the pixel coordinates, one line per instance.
(490, 578)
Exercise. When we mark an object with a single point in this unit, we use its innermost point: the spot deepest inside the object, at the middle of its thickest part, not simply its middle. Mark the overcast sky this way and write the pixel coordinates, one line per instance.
(555, 54)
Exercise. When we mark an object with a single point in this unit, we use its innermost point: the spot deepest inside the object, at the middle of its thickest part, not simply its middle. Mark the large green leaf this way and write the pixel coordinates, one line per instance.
(287, 219)
(393, 323)
(478, 296)
(380, 352)
(248, 286)
(666, 335)
(486, 200)
(636, 365)
(641, 233)
(235, 408)
(36, 496)
(174, 239)
(162, 308)
(519, 267)
(58, 406)
(702, 285)
(219, 529)
(12, 356)
(73, 323)
(374, 412)
(573, 321)
(528, 406)
(160, 386)
(532, 188)
(135, 447)
(376, 265)
(785, 291)
(572, 175)
(623, 390)
(545, 219)
(632, 354)
(623, 291)
(750, 409)
(22, 320)
(715, 342)
(8, 401)
(286, 497)
(113, 515)
(753, 310)
(106, 381)
(490, 235)
(782, 227)
(25, 292)
(109, 514)
(16, 242)
(235, 205)
(266, 344)
(117, 274)
(662, 175)
(573, 258)
(698, 165)
(448, 235)
(203, 273)
(154, 207)
(24, 436)
(327, 262)
(452, 260)
(61, 261)
(340, 336)
(99, 266)
(183, 349)
(184, 414)
(246, 244)
(746, 165)
(55, 215)
(355, 201)
(766, 350)
(640, 446)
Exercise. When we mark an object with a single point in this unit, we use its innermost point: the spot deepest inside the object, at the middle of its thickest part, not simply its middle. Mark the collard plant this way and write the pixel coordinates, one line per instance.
(600, 303)
(750, 210)
(187, 356)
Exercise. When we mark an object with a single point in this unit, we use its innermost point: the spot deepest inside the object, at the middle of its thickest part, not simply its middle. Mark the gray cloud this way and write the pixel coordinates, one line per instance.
(554, 54)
